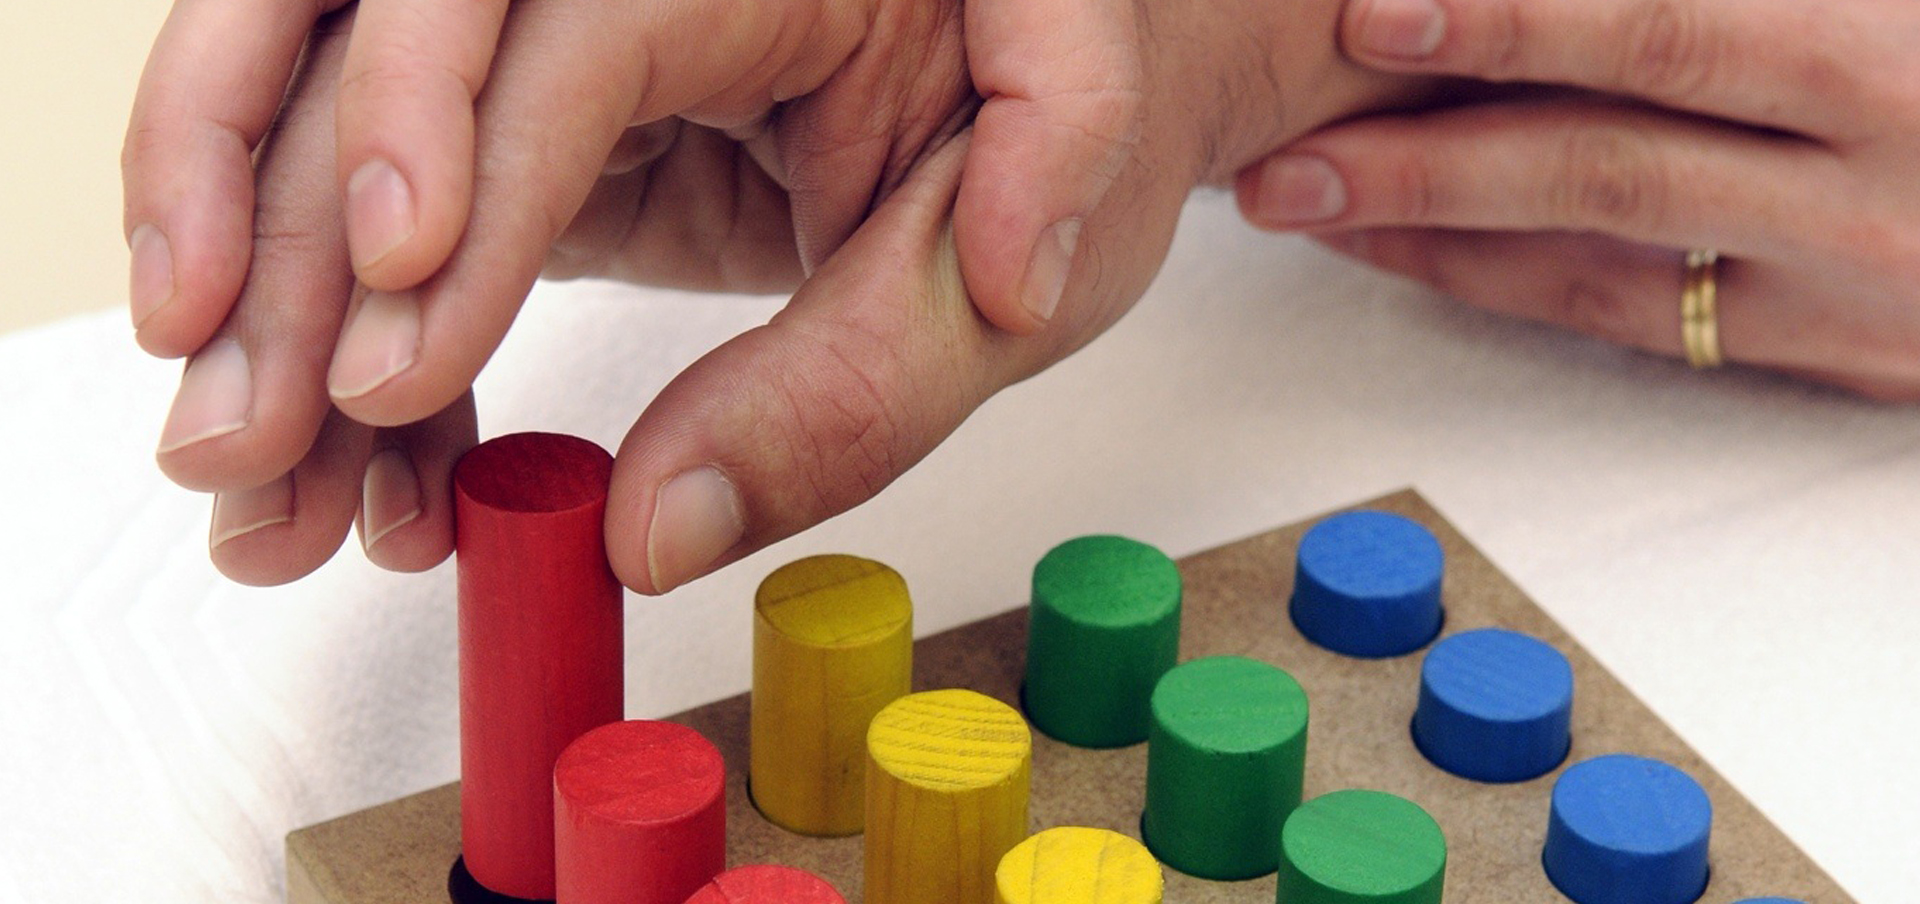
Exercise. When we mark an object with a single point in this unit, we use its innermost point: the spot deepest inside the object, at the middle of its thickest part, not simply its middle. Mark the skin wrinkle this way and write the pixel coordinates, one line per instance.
(1612, 177)
(740, 253)
(1666, 46)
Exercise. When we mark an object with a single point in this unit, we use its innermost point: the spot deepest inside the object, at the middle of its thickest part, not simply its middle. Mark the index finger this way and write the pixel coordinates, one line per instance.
(212, 84)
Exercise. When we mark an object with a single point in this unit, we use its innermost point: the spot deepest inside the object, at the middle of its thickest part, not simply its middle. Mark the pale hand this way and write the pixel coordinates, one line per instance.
(823, 145)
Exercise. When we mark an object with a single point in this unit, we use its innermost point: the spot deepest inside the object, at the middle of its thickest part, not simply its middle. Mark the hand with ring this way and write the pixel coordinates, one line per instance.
(1685, 176)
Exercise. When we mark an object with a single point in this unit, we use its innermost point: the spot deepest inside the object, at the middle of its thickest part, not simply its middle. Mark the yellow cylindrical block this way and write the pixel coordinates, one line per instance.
(1076, 865)
(947, 779)
(832, 646)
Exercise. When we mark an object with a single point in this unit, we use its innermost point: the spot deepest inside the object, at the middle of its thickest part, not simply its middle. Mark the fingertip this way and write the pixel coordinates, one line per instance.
(406, 211)
(286, 527)
(238, 419)
(1291, 191)
(1048, 268)
(381, 218)
(404, 126)
(875, 360)
(1015, 268)
(1403, 32)
(406, 504)
(390, 502)
(629, 510)
(215, 77)
(381, 341)
(149, 272)
(257, 536)
(698, 521)
(188, 257)
(1246, 184)
(405, 217)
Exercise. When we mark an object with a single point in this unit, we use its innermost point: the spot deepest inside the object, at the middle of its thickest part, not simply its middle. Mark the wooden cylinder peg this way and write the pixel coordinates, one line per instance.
(1626, 829)
(767, 885)
(1104, 626)
(1495, 706)
(540, 642)
(1226, 764)
(1361, 847)
(832, 645)
(1367, 584)
(1076, 865)
(948, 774)
(639, 815)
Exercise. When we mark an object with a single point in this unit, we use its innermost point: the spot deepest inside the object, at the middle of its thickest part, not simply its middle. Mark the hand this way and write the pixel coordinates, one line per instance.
(1785, 135)
(781, 428)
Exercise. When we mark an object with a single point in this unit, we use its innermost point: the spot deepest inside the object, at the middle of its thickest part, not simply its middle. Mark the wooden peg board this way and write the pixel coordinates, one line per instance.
(1235, 603)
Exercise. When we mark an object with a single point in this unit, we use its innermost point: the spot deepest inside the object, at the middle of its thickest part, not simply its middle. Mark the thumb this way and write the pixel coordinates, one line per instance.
(875, 361)
(1063, 83)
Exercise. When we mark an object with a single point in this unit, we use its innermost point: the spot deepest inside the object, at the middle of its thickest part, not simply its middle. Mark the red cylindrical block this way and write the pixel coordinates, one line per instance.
(779, 884)
(639, 815)
(540, 642)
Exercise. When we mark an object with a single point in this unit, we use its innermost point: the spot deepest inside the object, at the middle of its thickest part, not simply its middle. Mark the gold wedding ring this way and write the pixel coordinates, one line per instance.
(1699, 321)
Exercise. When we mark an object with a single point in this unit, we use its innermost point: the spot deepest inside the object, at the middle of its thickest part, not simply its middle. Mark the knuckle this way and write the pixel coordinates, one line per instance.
(1839, 62)
(144, 138)
(1610, 179)
(1598, 308)
(845, 443)
(1509, 39)
(287, 244)
(1666, 49)
(403, 78)
(1110, 113)
(1417, 191)
(379, 81)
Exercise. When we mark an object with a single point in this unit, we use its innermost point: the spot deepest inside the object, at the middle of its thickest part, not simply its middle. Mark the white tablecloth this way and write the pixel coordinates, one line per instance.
(1743, 551)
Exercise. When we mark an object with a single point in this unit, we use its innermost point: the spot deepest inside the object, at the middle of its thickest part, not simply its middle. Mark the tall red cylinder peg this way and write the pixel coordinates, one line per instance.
(540, 642)
(639, 815)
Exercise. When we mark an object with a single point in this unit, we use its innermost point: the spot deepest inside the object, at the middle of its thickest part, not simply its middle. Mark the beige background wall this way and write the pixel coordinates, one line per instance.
(67, 74)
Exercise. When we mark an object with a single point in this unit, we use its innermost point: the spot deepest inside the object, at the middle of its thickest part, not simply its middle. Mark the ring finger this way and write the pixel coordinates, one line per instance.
(1629, 293)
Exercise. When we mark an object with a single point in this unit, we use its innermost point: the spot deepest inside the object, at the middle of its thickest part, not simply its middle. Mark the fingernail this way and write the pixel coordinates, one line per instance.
(378, 344)
(1048, 268)
(1401, 29)
(1299, 188)
(151, 275)
(696, 518)
(237, 514)
(380, 215)
(389, 497)
(215, 397)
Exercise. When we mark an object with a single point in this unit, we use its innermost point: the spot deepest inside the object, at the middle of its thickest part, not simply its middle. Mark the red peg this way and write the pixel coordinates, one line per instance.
(640, 814)
(767, 885)
(540, 642)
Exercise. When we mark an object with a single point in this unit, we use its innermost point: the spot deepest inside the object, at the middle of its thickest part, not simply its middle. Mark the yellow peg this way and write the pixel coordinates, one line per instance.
(832, 645)
(947, 780)
(1075, 865)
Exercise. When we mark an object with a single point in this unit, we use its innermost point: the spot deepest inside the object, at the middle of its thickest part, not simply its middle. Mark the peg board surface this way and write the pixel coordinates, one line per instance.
(1235, 603)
